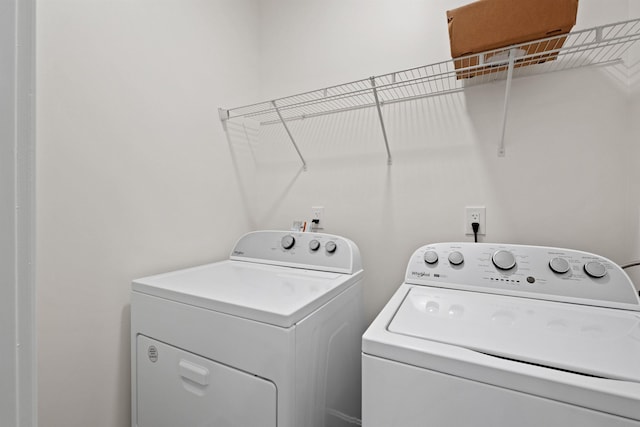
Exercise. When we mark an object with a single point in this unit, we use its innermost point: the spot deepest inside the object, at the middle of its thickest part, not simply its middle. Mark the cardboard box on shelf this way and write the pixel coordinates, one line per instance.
(491, 24)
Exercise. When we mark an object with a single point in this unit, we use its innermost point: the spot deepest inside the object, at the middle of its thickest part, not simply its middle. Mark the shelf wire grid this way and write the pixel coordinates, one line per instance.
(602, 45)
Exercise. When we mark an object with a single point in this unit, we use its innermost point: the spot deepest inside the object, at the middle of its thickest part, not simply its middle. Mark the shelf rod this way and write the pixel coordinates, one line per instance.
(293, 141)
(360, 107)
(384, 131)
(507, 91)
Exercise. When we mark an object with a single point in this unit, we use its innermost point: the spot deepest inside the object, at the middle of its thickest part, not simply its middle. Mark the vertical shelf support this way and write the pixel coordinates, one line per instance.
(598, 34)
(507, 92)
(293, 141)
(224, 116)
(384, 131)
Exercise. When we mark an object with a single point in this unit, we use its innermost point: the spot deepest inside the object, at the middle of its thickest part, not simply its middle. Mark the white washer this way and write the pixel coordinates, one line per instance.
(270, 337)
(505, 335)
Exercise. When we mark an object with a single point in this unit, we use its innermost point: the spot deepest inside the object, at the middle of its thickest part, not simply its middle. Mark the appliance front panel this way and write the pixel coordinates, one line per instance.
(399, 395)
(177, 388)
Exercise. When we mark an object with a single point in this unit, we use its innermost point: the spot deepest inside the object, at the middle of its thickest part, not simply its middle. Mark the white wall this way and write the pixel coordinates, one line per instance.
(563, 181)
(134, 176)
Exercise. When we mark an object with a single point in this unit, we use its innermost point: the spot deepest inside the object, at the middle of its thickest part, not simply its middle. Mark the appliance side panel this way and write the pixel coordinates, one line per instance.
(328, 371)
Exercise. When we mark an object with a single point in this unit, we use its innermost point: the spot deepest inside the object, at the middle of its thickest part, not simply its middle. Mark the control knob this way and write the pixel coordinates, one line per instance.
(330, 247)
(430, 257)
(314, 245)
(288, 241)
(456, 258)
(595, 269)
(559, 265)
(504, 260)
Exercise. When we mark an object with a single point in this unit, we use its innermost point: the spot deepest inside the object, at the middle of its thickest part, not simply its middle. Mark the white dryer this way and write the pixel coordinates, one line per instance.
(268, 338)
(505, 335)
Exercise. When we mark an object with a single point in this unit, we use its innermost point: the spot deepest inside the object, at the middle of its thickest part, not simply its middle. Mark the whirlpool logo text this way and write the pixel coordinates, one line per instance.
(420, 274)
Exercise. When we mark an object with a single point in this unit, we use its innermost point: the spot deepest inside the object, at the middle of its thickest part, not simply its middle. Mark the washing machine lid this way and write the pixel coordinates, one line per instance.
(270, 294)
(592, 341)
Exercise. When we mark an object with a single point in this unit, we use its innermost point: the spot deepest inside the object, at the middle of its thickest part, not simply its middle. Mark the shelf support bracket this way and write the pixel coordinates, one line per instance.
(293, 141)
(384, 131)
(224, 116)
(507, 92)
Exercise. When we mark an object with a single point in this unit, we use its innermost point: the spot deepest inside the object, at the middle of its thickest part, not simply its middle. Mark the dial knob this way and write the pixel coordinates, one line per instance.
(559, 265)
(595, 269)
(504, 260)
(288, 241)
(430, 257)
(331, 247)
(456, 258)
(314, 245)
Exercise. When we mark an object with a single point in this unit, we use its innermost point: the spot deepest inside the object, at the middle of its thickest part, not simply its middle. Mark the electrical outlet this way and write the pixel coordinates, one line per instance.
(317, 213)
(475, 214)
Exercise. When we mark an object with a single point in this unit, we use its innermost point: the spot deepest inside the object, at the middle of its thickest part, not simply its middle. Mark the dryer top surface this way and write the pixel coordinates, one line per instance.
(270, 294)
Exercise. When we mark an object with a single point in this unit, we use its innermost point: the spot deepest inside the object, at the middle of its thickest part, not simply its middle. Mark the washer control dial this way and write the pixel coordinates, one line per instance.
(314, 245)
(595, 269)
(456, 258)
(559, 265)
(504, 260)
(330, 246)
(288, 241)
(430, 257)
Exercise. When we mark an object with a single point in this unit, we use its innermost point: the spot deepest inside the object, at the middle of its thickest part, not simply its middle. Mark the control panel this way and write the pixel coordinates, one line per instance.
(314, 251)
(530, 271)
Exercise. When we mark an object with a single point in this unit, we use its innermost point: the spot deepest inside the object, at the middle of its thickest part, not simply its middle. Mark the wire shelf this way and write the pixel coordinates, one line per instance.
(594, 46)
(603, 45)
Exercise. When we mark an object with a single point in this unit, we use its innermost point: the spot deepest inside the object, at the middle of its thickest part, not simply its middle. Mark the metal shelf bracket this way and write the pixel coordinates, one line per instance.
(293, 141)
(507, 92)
(224, 117)
(384, 131)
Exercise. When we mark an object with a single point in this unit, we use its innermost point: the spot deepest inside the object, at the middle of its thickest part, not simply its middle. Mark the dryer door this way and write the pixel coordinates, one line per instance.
(177, 388)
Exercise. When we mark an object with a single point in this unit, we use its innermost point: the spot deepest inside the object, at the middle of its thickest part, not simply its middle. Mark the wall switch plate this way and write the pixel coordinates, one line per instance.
(475, 214)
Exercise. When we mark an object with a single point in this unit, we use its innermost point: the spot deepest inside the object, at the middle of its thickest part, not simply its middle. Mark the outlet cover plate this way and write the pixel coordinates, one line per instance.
(317, 212)
(475, 214)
